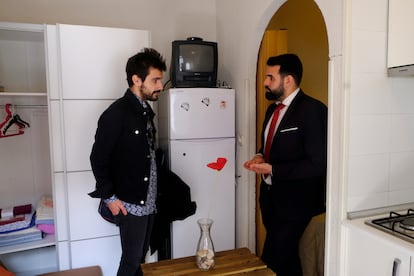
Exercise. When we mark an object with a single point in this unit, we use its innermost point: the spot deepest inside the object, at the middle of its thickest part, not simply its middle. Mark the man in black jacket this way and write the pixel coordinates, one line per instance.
(123, 158)
(292, 163)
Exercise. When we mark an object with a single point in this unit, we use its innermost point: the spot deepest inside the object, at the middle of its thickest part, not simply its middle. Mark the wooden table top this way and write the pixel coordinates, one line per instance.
(231, 262)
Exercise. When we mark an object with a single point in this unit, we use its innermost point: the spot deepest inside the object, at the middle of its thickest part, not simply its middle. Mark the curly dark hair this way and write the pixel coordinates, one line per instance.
(140, 63)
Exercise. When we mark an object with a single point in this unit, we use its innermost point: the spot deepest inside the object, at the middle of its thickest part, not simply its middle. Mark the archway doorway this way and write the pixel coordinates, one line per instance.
(305, 34)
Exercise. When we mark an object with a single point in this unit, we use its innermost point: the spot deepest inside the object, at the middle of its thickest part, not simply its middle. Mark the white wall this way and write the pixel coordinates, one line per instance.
(381, 122)
(167, 20)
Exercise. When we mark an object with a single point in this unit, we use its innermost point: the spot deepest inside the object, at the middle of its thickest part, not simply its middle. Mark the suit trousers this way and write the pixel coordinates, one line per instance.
(135, 233)
(281, 246)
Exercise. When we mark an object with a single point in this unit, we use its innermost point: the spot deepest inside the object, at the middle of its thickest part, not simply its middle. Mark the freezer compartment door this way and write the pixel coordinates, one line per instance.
(201, 113)
(213, 191)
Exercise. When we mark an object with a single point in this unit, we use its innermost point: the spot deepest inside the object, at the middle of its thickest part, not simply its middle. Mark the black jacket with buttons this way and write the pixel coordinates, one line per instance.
(120, 156)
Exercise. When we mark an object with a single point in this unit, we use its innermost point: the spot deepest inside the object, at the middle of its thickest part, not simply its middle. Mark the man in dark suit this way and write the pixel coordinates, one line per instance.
(293, 168)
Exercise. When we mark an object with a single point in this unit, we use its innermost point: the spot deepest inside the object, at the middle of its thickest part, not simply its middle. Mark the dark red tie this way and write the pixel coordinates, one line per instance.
(272, 131)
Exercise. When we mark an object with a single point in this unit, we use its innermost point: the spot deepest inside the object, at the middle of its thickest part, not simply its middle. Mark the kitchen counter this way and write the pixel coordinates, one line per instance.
(371, 251)
(359, 224)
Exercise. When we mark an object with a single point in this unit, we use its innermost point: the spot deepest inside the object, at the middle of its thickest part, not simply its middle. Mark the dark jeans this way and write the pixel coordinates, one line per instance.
(135, 235)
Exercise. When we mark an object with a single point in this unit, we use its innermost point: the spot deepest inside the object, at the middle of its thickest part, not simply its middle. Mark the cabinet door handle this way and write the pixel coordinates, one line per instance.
(396, 267)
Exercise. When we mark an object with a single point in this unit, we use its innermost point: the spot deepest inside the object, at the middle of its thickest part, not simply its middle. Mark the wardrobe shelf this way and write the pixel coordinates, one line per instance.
(23, 94)
(48, 240)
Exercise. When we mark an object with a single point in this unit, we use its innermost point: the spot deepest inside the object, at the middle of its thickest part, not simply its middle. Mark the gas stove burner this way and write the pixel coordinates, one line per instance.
(407, 224)
(399, 224)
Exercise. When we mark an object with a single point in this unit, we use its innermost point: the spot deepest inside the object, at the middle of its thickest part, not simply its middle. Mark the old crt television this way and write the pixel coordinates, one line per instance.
(193, 63)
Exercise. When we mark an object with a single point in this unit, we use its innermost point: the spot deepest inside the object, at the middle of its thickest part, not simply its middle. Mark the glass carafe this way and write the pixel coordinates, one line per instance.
(205, 248)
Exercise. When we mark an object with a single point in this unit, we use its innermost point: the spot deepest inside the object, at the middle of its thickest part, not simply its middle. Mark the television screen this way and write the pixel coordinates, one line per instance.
(196, 58)
(194, 63)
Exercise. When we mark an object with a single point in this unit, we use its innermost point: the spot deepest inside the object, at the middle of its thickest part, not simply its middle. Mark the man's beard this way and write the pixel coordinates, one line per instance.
(149, 96)
(154, 96)
(274, 95)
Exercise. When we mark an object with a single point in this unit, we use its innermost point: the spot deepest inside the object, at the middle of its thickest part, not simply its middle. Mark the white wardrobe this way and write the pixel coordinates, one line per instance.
(84, 69)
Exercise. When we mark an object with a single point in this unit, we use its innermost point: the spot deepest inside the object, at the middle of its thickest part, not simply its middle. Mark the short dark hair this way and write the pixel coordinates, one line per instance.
(290, 64)
(140, 63)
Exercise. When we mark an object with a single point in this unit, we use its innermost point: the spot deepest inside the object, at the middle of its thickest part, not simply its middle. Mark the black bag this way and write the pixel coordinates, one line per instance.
(105, 213)
(174, 196)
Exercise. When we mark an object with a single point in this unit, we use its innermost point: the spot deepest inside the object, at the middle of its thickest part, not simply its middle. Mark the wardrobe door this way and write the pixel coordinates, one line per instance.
(93, 60)
(55, 126)
(52, 66)
(85, 222)
(86, 73)
(61, 207)
(105, 252)
(80, 122)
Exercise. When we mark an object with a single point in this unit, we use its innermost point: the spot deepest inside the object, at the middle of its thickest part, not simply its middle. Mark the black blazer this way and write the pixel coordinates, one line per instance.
(120, 156)
(298, 156)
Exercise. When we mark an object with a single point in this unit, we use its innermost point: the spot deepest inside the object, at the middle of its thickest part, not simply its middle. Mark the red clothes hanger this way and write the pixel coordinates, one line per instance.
(12, 119)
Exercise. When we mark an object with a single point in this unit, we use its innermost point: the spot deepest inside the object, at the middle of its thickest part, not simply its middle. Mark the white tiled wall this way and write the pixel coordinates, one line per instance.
(381, 141)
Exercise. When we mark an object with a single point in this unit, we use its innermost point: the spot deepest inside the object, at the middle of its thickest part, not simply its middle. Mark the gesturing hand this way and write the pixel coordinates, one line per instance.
(257, 164)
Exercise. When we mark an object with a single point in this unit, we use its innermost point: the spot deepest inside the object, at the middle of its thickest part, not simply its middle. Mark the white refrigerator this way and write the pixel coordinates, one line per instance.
(196, 129)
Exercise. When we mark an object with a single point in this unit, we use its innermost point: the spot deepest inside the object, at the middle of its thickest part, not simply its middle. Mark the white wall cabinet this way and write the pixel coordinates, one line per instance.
(90, 64)
(400, 58)
(106, 253)
(87, 225)
(93, 60)
(372, 253)
(80, 120)
(79, 71)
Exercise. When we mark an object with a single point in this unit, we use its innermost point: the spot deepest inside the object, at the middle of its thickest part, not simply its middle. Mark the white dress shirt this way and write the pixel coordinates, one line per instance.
(282, 112)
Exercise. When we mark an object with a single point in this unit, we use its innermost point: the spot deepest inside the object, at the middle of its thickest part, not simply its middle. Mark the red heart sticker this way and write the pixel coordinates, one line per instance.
(219, 164)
